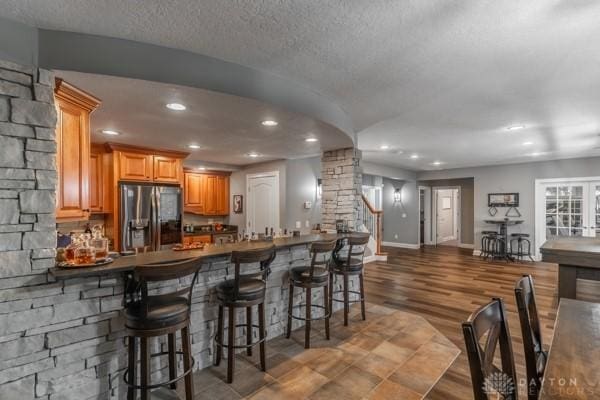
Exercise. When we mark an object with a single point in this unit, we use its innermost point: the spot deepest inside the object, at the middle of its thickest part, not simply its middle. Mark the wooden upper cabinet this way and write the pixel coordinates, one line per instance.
(73, 107)
(194, 190)
(167, 169)
(96, 182)
(206, 193)
(135, 166)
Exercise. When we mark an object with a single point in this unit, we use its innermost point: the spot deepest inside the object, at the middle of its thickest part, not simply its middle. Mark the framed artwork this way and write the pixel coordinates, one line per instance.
(503, 200)
(238, 203)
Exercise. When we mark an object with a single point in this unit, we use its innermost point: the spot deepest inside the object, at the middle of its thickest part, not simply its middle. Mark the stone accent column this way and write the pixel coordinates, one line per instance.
(341, 176)
(27, 222)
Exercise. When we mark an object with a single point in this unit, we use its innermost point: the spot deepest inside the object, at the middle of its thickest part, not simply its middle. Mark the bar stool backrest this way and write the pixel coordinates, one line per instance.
(164, 272)
(356, 248)
(264, 256)
(321, 253)
(530, 329)
(485, 376)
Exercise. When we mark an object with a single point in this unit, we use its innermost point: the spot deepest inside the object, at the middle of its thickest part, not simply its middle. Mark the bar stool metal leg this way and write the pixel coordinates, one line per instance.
(261, 335)
(326, 301)
(132, 368)
(362, 297)
(346, 298)
(145, 368)
(230, 343)
(249, 330)
(290, 307)
(219, 349)
(187, 363)
(172, 360)
(308, 318)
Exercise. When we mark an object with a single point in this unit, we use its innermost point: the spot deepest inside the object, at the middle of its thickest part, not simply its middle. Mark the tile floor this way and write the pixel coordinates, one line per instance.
(391, 355)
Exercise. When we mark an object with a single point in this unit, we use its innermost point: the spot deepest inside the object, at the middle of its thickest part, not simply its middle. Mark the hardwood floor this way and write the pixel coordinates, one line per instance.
(444, 285)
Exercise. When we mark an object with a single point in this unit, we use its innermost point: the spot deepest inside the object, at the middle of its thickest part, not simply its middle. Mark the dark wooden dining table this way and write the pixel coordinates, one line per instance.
(573, 368)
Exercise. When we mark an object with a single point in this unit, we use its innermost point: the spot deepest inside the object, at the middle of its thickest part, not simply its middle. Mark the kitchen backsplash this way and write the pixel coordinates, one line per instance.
(195, 219)
(79, 226)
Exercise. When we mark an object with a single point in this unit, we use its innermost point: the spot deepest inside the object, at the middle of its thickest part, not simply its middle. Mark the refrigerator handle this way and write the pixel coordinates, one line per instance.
(157, 243)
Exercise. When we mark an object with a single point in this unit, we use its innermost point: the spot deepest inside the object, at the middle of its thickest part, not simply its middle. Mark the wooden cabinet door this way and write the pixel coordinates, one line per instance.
(211, 187)
(135, 166)
(193, 193)
(201, 239)
(222, 194)
(96, 183)
(73, 159)
(167, 169)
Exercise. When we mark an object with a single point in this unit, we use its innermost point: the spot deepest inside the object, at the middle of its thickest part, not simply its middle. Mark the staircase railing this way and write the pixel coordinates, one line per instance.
(372, 220)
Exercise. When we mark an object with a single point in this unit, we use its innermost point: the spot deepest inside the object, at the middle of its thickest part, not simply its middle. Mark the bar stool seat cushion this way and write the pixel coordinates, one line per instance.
(302, 274)
(356, 265)
(250, 289)
(163, 310)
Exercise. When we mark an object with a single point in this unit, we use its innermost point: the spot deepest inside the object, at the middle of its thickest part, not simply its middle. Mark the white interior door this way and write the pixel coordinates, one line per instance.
(263, 202)
(445, 215)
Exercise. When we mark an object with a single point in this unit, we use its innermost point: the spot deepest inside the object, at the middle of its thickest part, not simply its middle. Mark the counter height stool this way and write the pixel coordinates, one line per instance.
(351, 265)
(148, 316)
(312, 277)
(244, 291)
(521, 243)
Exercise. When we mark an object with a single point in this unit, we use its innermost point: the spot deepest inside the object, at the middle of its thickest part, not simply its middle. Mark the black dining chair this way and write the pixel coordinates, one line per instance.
(490, 321)
(535, 356)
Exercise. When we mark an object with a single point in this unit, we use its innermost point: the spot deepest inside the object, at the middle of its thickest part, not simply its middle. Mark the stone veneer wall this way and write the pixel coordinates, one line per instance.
(341, 176)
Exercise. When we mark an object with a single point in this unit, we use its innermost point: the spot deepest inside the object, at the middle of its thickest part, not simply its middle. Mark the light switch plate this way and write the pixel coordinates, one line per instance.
(298, 224)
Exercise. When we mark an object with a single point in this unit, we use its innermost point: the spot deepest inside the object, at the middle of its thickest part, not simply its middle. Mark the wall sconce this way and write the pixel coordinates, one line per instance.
(397, 195)
(319, 188)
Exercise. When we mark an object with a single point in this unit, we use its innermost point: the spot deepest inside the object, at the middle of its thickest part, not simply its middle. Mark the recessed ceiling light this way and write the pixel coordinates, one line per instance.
(527, 143)
(194, 146)
(384, 147)
(110, 132)
(201, 168)
(269, 122)
(535, 154)
(414, 156)
(436, 163)
(312, 139)
(176, 106)
(515, 127)
(253, 154)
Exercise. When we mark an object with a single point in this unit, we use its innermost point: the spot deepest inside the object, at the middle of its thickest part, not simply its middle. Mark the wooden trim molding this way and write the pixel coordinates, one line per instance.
(72, 94)
(207, 172)
(112, 146)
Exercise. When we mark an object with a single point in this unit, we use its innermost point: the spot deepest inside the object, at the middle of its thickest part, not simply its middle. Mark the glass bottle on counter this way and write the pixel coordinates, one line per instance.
(99, 243)
(85, 254)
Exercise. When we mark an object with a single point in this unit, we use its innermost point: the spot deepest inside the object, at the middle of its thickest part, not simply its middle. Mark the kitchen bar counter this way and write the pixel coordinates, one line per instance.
(128, 263)
(577, 257)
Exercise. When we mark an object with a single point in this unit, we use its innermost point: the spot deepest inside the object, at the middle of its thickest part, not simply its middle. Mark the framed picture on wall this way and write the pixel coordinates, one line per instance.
(503, 200)
(238, 203)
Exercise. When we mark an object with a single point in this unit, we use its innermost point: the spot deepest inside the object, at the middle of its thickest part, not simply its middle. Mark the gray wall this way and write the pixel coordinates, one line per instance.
(18, 42)
(302, 178)
(394, 223)
(518, 178)
(467, 209)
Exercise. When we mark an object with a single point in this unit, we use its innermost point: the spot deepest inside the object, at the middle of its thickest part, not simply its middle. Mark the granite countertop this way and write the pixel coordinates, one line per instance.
(128, 263)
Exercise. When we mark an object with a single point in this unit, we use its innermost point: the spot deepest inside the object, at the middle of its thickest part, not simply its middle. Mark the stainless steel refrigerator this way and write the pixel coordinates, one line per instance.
(151, 216)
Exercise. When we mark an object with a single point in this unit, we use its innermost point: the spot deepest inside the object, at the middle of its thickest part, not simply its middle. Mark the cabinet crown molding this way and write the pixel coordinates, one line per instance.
(112, 146)
(72, 94)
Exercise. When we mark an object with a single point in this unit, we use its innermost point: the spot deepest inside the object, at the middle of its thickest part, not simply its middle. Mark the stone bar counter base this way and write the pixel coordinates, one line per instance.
(66, 340)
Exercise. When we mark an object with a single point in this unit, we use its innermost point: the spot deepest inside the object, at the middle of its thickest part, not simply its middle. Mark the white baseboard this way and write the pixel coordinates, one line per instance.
(466, 246)
(401, 245)
(374, 257)
(476, 252)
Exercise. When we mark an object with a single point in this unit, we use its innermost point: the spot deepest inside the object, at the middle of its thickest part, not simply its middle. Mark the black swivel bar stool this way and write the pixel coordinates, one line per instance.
(148, 316)
(523, 246)
(351, 265)
(312, 277)
(244, 291)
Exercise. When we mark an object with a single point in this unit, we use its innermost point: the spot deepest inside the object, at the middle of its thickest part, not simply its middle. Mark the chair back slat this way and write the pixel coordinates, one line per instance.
(321, 253)
(264, 256)
(164, 272)
(531, 332)
(356, 248)
(485, 375)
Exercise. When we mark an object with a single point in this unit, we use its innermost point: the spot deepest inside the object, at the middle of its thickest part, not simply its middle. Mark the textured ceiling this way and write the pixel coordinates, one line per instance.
(436, 77)
(226, 127)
